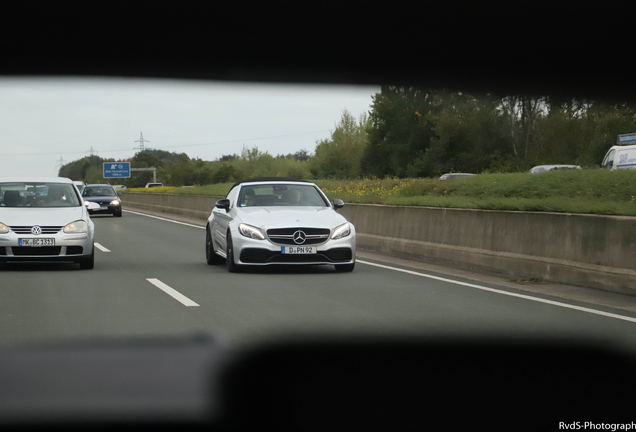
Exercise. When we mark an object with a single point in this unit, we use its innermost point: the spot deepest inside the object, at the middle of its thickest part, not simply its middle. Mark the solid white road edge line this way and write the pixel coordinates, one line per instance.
(537, 299)
(164, 219)
(100, 247)
(526, 297)
(171, 292)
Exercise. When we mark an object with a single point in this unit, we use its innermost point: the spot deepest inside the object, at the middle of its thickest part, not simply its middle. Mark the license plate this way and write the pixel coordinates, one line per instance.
(299, 250)
(36, 242)
(103, 208)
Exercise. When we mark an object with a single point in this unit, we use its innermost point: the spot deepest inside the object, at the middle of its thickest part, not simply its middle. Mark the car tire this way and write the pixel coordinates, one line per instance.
(232, 267)
(89, 262)
(345, 267)
(210, 256)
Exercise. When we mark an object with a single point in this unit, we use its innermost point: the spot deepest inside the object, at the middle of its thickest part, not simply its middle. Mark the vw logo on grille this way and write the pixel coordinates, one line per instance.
(299, 237)
(36, 230)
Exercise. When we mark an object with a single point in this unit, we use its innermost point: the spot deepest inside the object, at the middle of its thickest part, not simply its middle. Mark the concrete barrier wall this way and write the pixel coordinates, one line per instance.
(192, 206)
(586, 250)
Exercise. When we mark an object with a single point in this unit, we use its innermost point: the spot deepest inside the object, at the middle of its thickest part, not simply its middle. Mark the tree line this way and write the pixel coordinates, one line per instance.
(411, 132)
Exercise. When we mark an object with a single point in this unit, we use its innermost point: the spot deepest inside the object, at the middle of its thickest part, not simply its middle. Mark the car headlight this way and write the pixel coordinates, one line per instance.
(3, 228)
(341, 231)
(86, 203)
(251, 232)
(115, 202)
(76, 227)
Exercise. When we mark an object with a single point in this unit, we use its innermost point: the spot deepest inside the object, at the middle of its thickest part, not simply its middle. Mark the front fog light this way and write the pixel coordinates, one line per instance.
(76, 227)
(342, 231)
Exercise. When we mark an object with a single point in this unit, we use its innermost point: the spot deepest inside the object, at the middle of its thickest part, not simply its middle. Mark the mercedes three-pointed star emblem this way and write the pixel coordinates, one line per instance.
(299, 237)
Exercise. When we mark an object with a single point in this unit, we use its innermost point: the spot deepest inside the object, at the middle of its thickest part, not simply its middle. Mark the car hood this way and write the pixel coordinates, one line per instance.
(101, 198)
(279, 217)
(25, 216)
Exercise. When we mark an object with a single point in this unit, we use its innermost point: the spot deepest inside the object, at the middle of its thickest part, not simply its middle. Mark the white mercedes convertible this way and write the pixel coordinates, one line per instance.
(265, 221)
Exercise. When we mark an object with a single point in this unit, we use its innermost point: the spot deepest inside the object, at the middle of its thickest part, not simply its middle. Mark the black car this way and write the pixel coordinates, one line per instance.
(102, 199)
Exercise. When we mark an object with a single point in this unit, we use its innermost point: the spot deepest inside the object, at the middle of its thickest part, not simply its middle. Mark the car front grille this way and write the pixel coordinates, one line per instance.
(285, 236)
(27, 229)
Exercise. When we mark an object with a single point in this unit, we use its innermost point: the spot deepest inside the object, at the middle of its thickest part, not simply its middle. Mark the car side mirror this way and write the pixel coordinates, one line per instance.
(223, 204)
(338, 203)
(118, 193)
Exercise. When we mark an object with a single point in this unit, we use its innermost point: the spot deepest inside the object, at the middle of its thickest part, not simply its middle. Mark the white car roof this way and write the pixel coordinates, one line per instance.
(35, 179)
(271, 180)
(460, 174)
(549, 167)
(277, 182)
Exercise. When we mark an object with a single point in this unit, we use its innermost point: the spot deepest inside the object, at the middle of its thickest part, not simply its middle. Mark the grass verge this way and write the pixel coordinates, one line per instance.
(573, 191)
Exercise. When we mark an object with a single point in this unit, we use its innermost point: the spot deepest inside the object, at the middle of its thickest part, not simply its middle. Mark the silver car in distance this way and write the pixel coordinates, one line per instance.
(44, 219)
(265, 221)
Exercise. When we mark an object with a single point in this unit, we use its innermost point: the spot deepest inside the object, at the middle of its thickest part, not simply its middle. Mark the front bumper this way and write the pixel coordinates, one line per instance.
(248, 251)
(110, 209)
(68, 247)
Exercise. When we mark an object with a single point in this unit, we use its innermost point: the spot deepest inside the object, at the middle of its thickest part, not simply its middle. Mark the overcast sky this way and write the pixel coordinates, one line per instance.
(43, 120)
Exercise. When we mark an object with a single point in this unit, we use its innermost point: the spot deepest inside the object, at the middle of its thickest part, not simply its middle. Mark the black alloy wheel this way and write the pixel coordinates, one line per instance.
(232, 267)
(210, 256)
(88, 263)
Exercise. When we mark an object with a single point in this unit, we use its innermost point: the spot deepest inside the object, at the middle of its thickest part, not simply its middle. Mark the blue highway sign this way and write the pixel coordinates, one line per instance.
(116, 169)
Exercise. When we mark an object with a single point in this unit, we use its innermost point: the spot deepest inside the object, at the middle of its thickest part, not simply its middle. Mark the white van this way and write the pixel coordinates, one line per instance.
(620, 157)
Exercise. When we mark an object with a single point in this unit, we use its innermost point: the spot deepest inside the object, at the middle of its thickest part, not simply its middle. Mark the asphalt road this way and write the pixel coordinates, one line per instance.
(122, 297)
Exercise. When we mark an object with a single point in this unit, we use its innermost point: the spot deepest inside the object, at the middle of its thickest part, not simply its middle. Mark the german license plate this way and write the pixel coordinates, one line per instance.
(103, 208)
(36, 242)
(299, 250)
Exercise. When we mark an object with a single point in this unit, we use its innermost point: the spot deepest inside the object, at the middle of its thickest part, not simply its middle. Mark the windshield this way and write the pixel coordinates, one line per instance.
(98, 191)
(372, 107)
(367, 241)
(38, 195)
(281, 195)
(379, 149)
(608, 162)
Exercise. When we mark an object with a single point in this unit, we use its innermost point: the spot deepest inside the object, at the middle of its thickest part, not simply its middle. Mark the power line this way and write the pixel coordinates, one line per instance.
(168, 147)
(243, 140)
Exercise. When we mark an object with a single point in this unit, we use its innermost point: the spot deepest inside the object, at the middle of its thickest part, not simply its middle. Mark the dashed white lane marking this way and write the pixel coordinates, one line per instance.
(164, 219)
(100, 247)
(536, 299)
(171, 292)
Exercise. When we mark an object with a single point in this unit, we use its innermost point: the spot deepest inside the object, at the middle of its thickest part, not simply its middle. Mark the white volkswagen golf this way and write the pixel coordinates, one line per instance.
(44, 219)
(265, 221)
